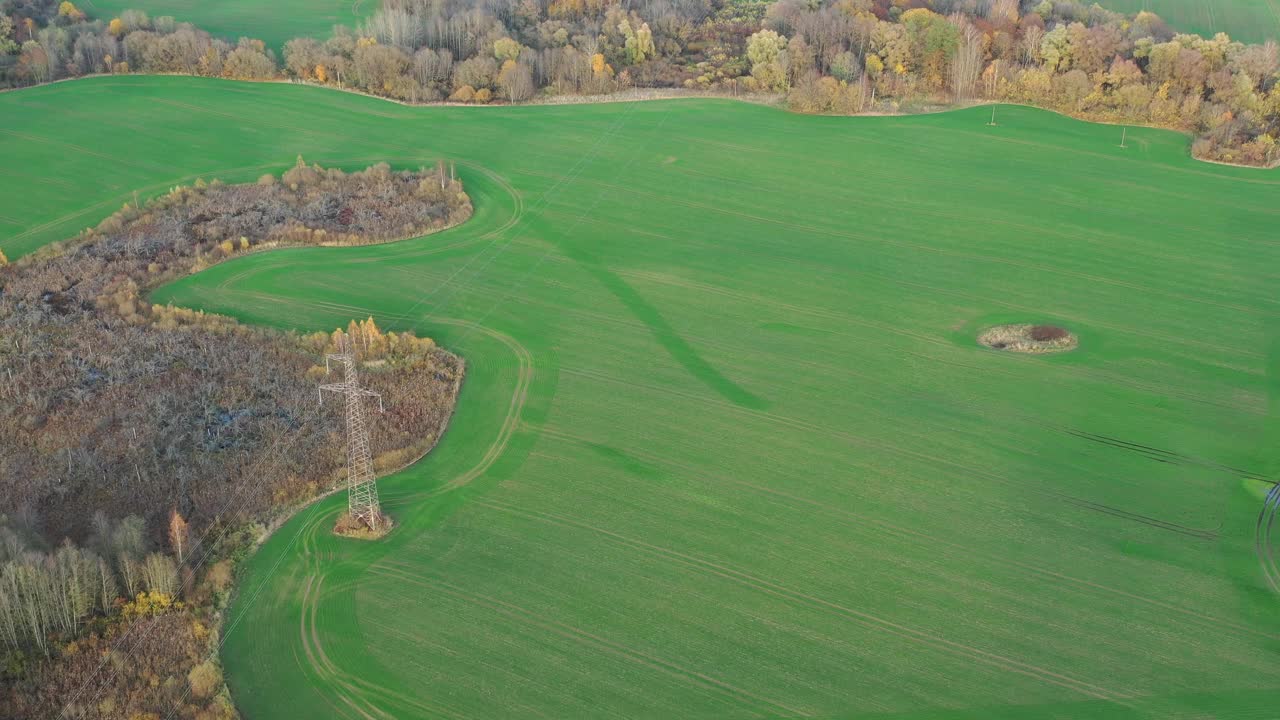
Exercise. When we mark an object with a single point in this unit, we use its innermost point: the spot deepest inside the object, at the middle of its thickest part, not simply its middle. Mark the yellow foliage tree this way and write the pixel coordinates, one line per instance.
(178, 533)
(3, 260)
(321, 73)
(506, 49)
(874, 65)
(69, 10)
(575, 8)
(116, 27)
(204, 679)
(148, 604)
(226, 247)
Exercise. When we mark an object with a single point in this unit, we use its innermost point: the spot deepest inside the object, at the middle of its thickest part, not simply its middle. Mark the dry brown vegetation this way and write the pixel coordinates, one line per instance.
(189, 428)
(1025, 338)
(352, 527)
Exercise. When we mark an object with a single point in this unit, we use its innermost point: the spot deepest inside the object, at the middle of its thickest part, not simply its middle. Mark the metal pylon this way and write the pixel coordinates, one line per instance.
(362, 491)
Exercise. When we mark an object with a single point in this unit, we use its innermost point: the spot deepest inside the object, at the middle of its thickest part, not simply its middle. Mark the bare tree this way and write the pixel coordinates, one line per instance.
(160, 574)
(966, 65)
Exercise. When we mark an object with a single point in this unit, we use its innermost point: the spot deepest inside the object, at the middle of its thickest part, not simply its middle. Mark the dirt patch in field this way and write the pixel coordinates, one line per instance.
(1027, 338)
(350, 527)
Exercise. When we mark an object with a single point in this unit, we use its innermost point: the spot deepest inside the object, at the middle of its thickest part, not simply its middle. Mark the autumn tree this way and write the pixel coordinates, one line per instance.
(967, 63)
(34, 62)
(160, 575)
(125, 543)
(638, 41)
(302, 57)
(375, 67)
(476, 73)
(46, 594)
(601, 71)
(464, 94)
(70, 11)
(505, 49)
(7, 44)
(767, 51)
(933, 43)
(845, 67)
(179, 531)
(515, 80)
(249, 61)
(204, 679)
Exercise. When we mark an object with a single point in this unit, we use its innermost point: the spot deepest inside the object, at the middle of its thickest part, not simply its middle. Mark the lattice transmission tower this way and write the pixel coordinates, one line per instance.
(362, 491)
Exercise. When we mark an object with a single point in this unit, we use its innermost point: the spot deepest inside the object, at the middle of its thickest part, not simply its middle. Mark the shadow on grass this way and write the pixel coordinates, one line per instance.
(676, 346)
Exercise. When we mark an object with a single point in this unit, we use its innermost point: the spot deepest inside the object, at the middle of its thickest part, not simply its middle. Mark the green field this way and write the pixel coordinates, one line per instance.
(274, 23)
(1252, 21)
(727, 447)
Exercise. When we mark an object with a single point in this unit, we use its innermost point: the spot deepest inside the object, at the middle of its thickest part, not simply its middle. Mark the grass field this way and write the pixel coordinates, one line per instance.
(1252, 21)
(727, 447)
(274, 23)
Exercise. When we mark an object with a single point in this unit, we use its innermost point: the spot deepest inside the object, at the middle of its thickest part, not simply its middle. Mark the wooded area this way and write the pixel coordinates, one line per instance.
(143, 446)
(835, 56)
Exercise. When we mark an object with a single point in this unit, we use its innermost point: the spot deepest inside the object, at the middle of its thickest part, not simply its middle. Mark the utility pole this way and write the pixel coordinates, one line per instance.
(362, 491)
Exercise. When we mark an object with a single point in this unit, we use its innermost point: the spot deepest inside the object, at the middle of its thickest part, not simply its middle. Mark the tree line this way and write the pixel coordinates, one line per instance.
(190, 428)
(1081, 60)
(48, 594)
(46, 40)
(828, 56)
(118, 627)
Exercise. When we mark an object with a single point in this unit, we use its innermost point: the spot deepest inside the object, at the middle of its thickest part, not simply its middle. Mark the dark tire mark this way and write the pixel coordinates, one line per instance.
(1162, 456)
(1198, 533)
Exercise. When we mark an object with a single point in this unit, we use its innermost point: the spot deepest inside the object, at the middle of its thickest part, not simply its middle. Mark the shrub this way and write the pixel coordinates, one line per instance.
(204, 679)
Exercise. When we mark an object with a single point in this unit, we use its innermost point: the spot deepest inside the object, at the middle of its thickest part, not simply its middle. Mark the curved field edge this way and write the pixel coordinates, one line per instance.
(730, 333)
(305, 542)
(417, 497)
(45, 219)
